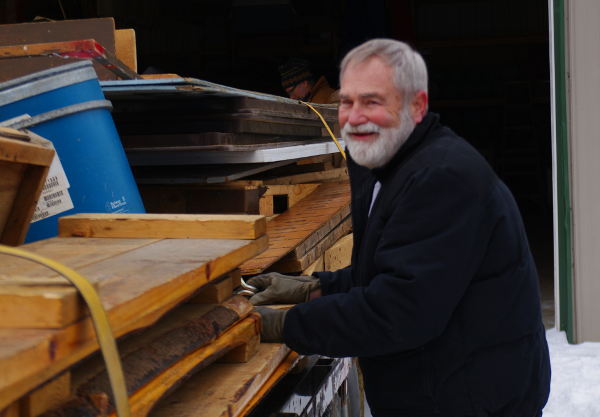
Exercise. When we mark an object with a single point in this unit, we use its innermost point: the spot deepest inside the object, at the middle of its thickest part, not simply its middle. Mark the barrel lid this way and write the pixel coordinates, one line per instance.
(47, 80)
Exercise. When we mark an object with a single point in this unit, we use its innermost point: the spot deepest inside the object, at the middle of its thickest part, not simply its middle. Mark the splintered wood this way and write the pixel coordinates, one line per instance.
(322, 210)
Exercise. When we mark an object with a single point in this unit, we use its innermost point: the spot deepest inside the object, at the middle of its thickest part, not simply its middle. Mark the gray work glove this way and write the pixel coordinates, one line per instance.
(276, 288)
(271, 329)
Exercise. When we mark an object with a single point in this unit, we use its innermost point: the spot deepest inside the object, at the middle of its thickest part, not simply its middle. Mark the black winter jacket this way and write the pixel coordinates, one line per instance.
(441, 303)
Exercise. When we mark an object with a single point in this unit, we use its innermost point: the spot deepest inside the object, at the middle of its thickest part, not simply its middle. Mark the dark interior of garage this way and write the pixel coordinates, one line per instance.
(488, 62)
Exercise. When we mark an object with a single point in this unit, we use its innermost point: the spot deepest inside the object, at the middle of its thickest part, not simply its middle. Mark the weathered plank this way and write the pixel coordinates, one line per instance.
(321, 210)
(136, 288)
(219, 290)
(223, 390)
(129, 225)
(244, 333)
(149, 353)
(294, 263)
(49, 300)
(24, 167)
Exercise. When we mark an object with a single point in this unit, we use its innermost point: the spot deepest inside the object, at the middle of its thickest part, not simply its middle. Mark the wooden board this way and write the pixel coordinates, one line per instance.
(24, 167)
(290, 361)
(245, 334)
(294, 263)
(194, 199)
(127, 225)
(146, 355)
(323, 209)
(218, 290)
(102, 30)
(136, 288)
(224, 390)
(125, 47)
(339, 255)
(48, 396)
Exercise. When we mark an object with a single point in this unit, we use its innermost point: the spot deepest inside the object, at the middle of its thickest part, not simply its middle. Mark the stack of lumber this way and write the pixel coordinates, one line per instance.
(185, 121)
(166, 283)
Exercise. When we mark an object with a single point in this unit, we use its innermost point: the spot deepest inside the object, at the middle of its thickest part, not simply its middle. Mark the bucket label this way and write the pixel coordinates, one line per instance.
(55, 196)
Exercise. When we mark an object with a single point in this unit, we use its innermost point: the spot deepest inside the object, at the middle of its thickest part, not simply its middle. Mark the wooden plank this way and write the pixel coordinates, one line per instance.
(223, 390)
(136, 289)
(12, 410)
(243, 333)
(339, 255)
(50, 301)
(48, 396)
(316, 266)
(24, 167)
(125, 47)
(129, 225)
(336, 174)
(102, 30)
(17, 151)
(192, 199)
(77, 49)
(147, 355)
(219, 290)
(283, 369)
(324, 208)
(293, 263)
(24, 203)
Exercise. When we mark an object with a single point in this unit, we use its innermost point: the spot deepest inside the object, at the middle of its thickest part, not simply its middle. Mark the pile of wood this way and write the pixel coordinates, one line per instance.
(166, 283)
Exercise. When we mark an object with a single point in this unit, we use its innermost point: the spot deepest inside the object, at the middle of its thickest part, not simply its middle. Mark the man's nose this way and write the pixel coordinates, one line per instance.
(356, 116)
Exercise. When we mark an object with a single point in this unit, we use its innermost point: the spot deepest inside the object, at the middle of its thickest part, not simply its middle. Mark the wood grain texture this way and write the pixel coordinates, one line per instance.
(125, 47)
(321, 210)
(24, 167)
(283, 369)
(48, 396)
(339, 255)
(223, 390)
(294, 263)
(217, 291)
(49, 300)
(146, 355)
(245, 332)
(128, 225)
(136, 289)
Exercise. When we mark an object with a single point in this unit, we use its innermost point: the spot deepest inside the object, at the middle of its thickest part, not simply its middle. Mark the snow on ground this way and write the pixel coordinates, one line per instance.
(575, 389)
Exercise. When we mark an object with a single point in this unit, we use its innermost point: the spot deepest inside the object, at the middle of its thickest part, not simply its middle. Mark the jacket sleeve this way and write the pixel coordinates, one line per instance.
(429, 250)
(336, 281)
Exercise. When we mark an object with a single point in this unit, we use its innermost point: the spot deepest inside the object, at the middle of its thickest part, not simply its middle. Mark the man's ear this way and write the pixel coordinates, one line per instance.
(418, 106)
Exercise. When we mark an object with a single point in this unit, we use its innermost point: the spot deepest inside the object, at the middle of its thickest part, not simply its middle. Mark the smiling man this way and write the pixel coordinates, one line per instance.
(441, 303)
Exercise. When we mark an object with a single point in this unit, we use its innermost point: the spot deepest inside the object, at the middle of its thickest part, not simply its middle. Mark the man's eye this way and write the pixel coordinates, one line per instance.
(372, 102)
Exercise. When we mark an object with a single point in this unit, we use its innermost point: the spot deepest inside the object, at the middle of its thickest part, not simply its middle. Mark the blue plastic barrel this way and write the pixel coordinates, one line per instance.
(67, 107)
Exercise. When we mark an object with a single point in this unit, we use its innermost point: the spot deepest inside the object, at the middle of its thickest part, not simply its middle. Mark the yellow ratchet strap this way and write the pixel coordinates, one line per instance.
(326, 127)
(104, 333)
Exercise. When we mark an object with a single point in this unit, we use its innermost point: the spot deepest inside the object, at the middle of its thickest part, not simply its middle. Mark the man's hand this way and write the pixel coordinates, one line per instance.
(275, 288)
(272, 320)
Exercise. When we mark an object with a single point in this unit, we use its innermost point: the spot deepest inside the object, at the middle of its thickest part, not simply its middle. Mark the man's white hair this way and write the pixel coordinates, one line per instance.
(410, 71)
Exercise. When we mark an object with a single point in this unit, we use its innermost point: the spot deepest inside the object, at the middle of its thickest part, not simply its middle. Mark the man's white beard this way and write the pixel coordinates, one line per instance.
(377, 153)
